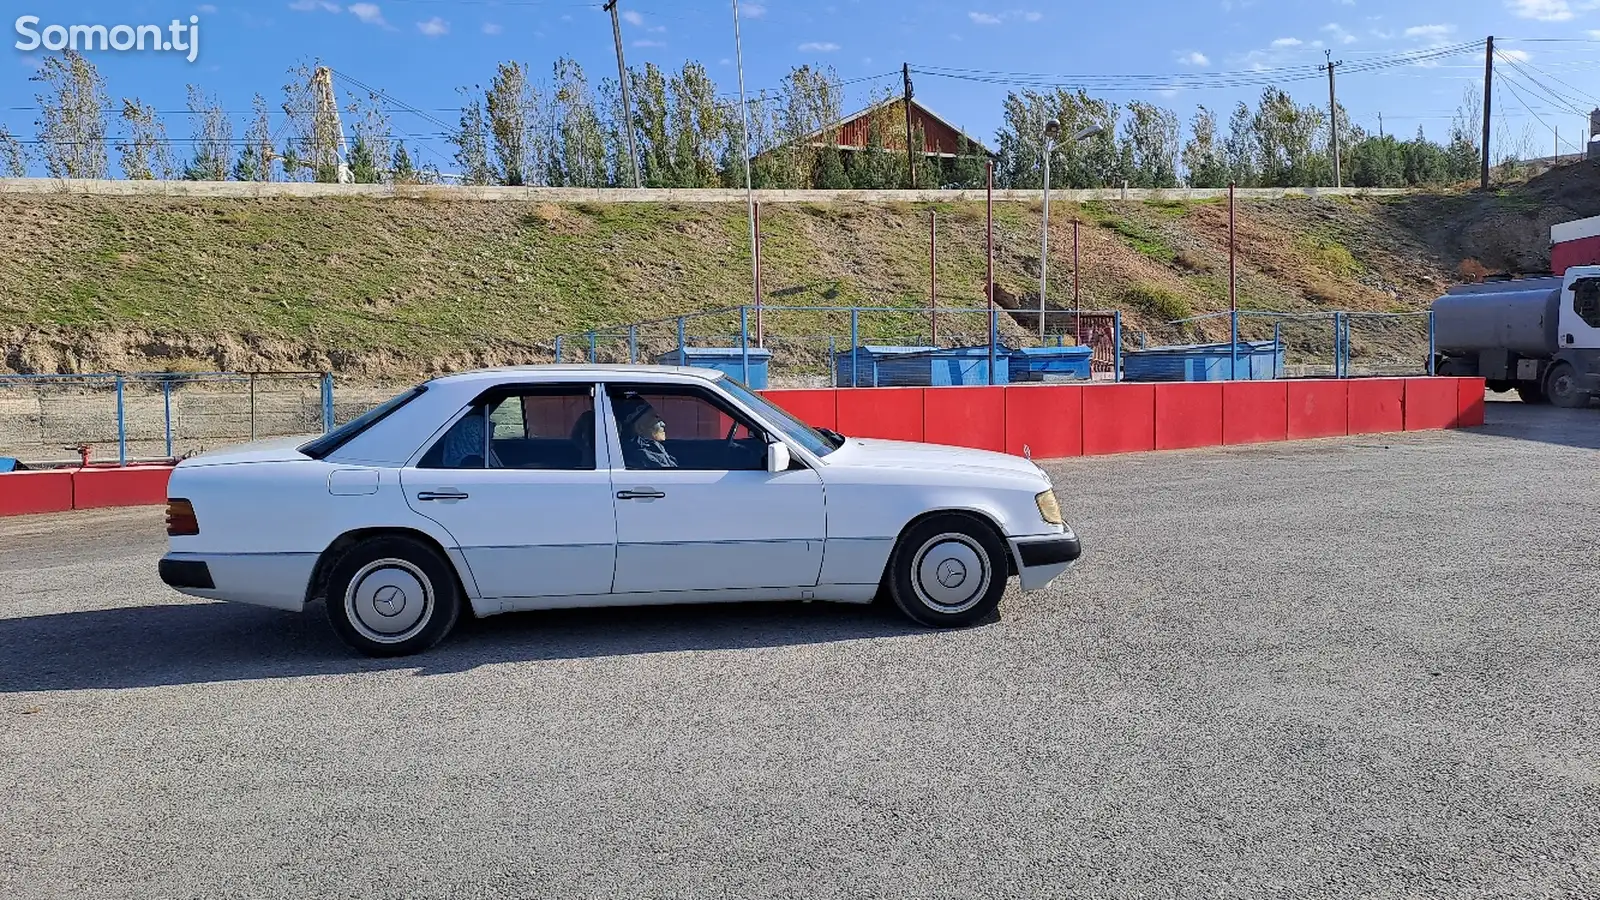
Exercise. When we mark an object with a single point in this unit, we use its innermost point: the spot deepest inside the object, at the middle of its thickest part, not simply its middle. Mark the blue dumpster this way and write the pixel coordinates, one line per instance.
(859, 367)
(885, 366)
(1050, 363)
(729, 360)
(1258, 361)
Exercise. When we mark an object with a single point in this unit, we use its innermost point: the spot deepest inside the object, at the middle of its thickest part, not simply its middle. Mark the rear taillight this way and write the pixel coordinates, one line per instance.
(180, 518)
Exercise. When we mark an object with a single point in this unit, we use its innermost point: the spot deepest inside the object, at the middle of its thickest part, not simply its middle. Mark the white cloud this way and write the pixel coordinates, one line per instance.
(724, 61)
(1286, 42)
(1024, 15)
(1514, 55)
(368, 13)
(818, 47)
(632, 18)
(657, 29)
(1435, 33)
(207, 8)
(434, 27)
(1195, 58)
(753, 10)
(1336, 32)
(309, 5)
(492, 28)
(1542, 10)
(646, 42)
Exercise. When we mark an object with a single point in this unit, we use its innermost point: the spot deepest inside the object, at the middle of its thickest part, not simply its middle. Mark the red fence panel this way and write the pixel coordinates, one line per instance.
(1469, 402)
(817, 408)
(1318, 409)
(1431, 403)
(1119, 418)
(1048, 419)
(1255, 411)
(22, 493)
(965, 417)
(888, 413)
(1188, 414)
(131, 486)
(1376, 405)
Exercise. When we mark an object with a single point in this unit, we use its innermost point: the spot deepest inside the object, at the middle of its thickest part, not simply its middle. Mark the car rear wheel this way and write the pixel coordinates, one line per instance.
(393, 596)
(948, 571)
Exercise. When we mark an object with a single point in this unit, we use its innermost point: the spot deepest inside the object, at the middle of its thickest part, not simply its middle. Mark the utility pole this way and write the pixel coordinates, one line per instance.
(1380, 126)
(911, 159)
(1488, 103)
(622, 79)
(1333, 116)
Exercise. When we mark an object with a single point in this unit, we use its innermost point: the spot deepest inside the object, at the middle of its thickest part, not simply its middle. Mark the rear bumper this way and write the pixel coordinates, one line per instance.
(1042, 560)
(277, 580)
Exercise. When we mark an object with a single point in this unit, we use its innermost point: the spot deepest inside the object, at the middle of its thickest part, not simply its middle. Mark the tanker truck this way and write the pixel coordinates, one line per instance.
(1539, 336)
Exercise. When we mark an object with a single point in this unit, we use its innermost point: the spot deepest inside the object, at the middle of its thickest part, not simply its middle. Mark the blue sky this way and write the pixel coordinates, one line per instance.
(419, 51)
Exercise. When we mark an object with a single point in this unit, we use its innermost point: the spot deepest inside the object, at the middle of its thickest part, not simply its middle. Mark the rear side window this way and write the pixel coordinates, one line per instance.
(530, 428)
(342, 435)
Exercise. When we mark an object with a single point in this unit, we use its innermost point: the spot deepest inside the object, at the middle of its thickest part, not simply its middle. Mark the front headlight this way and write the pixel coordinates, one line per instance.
(1049, 509)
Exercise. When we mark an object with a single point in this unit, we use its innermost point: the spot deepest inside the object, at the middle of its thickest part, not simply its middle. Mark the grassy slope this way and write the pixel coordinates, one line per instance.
(401, 286)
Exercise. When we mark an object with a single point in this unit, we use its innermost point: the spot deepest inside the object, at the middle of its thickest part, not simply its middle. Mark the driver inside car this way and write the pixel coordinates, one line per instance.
(643, 433)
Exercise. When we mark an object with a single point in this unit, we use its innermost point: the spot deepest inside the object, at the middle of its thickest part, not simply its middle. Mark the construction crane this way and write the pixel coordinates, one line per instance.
(327, 128)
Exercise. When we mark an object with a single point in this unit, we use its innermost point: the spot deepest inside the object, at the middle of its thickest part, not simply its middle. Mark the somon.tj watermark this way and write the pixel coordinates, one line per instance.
(179, 37)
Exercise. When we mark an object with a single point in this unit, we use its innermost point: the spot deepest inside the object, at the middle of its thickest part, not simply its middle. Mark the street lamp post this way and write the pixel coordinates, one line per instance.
(1051, 129)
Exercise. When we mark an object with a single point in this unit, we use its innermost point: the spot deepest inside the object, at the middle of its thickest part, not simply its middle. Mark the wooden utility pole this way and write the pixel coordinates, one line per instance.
(911, 158)
(1333, 116)
(622, 79)
(1488, 105)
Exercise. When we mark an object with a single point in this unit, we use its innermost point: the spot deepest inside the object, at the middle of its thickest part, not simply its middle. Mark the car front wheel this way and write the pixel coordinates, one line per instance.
(948, 571)
(393, 596)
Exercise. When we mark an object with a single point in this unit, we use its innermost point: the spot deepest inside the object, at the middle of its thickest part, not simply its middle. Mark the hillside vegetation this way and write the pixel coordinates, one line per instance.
(400, 287)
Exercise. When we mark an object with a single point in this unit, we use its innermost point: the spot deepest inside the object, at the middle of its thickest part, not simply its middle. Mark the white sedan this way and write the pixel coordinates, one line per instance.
(566, 486)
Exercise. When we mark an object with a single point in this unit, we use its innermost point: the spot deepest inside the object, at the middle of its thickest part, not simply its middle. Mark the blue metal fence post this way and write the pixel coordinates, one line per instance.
(327, 401)
(744, 343)
(994, 330)
(591, 347)
(680, 341)
(855, 343)
(558, 348)
(833, 363)
(122, 427)
(1430, 344)
(1116, 340)
(1338, 345)
(633, 344)
(166, 404)
(1233, 344)
(1277, 348)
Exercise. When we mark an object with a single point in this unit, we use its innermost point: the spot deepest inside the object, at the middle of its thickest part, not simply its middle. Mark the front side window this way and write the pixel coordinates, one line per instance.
(530, 428)
(810, 438)
(670, 427)
(1586, 301)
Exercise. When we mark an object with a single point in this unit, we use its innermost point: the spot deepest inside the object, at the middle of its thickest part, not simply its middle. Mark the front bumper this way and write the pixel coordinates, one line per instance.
(1040, 560)
(277, 580)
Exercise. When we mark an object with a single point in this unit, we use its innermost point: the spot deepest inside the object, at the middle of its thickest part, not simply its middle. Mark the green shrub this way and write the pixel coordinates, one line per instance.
(1157, 301)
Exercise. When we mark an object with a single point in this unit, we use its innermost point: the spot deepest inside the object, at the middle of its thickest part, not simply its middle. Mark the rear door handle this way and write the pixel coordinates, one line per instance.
(442, 495)
(647, 494)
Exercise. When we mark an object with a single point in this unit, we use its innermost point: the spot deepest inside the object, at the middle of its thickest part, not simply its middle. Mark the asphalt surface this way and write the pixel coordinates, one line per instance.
(1357, 667)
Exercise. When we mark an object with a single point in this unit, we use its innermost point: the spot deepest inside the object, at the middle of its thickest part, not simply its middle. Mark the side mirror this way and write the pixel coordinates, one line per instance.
(777, 457)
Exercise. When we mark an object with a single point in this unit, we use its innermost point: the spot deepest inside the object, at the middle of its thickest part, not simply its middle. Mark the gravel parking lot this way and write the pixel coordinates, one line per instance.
(1355, 667)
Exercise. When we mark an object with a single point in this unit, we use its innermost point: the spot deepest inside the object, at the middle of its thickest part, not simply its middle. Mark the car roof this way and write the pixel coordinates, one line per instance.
(565, 371)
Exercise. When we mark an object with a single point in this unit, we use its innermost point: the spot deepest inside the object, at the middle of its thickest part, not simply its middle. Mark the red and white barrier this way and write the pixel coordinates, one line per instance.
(1052, 421)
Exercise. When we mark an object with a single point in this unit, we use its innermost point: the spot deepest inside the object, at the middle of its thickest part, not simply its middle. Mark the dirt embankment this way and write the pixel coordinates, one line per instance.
(401, 288)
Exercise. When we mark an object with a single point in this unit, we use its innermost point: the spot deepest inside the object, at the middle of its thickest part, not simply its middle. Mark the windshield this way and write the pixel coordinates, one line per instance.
(795, 430)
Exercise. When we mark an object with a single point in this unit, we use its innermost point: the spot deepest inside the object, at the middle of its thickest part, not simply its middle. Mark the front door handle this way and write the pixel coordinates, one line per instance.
(646, 494)
(442, 495)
